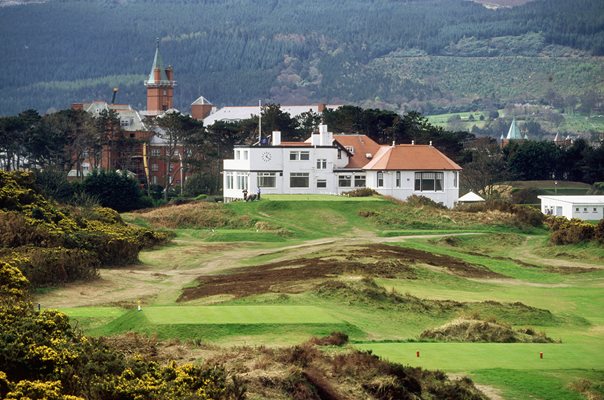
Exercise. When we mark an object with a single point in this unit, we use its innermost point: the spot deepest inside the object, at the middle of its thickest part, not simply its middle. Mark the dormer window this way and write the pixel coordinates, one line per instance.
(350, 149)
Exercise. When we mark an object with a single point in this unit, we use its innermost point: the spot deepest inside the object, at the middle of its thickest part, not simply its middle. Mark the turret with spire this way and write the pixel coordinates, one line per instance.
(160, 86)
(513, 134)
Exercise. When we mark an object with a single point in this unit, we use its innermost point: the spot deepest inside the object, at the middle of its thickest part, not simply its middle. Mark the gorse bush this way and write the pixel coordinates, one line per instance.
(565, 231)
(54, 265)
(44, 357)
(54, 244)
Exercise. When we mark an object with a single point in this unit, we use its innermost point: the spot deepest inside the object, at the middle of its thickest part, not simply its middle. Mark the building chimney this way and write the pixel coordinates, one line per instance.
(315, 139)
(326, 138)
(276, 138)
(321, 107)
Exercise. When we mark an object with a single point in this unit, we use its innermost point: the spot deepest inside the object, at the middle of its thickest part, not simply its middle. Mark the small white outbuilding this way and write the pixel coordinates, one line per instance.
(469, 197)
(581, 207)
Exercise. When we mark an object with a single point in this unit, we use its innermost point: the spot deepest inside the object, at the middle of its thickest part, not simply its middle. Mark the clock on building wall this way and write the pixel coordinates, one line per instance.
(266, 156)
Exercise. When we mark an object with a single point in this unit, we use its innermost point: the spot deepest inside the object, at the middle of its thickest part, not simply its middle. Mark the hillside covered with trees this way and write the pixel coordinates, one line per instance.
(396, 54)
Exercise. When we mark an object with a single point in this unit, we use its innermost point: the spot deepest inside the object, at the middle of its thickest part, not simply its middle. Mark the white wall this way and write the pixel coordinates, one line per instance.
(569, 210)
(448, 196)
(276, 159)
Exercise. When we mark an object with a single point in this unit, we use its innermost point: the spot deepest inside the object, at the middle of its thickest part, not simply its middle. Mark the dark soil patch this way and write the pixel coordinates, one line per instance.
(375, 260)
(452, 264)
(572, 270)
(519, 262)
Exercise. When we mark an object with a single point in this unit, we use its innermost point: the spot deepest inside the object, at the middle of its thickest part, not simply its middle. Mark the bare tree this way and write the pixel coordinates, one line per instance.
(486, 168)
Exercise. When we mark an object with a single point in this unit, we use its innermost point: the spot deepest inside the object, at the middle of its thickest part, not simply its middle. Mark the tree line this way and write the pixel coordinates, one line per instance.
(60, 141)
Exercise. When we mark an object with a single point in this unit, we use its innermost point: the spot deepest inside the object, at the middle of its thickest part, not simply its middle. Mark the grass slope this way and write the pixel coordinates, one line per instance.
(554, 289)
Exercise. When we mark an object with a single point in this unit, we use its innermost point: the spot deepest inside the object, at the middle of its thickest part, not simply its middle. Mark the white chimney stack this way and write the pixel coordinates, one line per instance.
(315, 139)
(276, 138)
(326, 137)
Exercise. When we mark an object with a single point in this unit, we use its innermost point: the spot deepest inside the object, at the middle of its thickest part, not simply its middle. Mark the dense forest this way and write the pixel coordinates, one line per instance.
(395, 54)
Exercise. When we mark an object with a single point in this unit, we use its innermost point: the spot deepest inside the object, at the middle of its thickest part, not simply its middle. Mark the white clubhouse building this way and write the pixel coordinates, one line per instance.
(328, 164)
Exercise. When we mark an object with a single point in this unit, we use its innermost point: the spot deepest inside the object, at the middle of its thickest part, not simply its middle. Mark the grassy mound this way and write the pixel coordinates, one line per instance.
(195, 215)
(468, 330)
(367, 293)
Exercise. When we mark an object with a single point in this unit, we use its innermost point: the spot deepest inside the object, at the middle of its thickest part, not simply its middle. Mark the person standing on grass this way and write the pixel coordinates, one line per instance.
(244, 194)
(258, 193)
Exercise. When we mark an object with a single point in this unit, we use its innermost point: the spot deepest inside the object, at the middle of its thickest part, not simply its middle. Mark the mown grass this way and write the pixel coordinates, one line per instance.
(217, 315)
(536, 384)
(457, 357)
(321, 217)
(281, 325)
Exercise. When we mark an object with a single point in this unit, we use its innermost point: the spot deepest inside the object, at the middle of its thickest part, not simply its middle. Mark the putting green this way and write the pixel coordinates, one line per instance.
(473, 356)
(211, 315)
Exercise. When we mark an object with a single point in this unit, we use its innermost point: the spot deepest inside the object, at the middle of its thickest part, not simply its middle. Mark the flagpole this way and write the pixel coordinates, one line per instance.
(260, 123)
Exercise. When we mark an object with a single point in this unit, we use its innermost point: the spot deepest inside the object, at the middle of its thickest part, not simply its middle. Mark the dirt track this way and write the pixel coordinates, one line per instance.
(179, 265)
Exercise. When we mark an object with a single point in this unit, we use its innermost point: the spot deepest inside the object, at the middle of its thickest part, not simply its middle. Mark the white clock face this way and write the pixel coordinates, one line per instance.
(266, 156)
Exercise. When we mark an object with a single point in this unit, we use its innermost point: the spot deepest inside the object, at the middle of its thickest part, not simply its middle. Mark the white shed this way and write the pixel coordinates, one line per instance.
(470, 197)
(581, 207)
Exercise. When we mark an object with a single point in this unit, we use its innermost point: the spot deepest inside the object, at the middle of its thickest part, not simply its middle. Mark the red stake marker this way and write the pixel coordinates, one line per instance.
(417, 354)
(541, 354)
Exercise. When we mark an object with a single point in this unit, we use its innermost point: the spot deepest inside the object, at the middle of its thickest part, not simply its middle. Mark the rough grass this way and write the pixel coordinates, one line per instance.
(468, 330)
(194, 215)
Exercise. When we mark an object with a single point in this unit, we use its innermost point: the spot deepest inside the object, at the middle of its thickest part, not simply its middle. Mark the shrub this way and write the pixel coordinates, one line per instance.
(599, 231)
(115, 190)
(573, 231)
(361, 192)
(527, 216)
(16, 231)
(202, 183)
(43, 266)
(54, 184)
(333, 339)
(423, 201)
(526, 196)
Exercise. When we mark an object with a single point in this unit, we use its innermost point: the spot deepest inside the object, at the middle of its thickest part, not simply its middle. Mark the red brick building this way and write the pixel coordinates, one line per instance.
(136, 145)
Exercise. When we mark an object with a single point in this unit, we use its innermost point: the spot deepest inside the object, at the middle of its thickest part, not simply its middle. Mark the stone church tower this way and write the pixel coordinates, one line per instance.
(160, 86)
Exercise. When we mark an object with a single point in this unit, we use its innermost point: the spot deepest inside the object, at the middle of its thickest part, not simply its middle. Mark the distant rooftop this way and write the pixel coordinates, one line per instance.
(238, 113)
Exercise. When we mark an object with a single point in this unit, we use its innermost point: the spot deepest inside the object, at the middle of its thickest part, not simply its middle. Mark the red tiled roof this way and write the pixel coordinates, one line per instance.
(411, 157)
(362, 145)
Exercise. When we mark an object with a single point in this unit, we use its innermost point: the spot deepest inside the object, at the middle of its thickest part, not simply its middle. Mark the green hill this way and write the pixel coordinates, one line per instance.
(426, 55)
